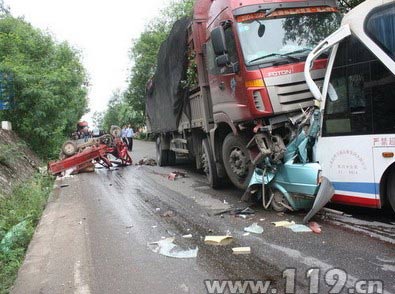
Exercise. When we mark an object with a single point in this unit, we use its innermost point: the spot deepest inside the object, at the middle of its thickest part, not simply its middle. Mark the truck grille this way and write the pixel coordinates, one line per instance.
(290, 92)
(258, 101)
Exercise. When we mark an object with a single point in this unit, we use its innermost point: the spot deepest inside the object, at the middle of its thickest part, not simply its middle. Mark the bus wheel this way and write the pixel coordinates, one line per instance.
(391, 189)
(162, 156)
(237, 161)
(279, 202)
(208, 164)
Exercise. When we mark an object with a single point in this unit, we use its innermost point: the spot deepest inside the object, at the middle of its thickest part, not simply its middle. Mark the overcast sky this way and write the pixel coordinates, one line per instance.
(102, 30)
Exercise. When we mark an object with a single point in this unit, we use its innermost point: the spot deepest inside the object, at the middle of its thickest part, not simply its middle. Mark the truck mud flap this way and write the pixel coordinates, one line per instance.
(324, 195)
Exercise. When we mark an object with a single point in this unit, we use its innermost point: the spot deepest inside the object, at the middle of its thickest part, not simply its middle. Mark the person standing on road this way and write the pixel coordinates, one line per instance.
(123, 135)
(130, 135)
(86, 134)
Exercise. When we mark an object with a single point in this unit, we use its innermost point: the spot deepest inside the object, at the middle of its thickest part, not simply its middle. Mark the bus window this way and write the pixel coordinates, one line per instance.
(351, 112)
(380, 26)
(382, 87)
(364, 88)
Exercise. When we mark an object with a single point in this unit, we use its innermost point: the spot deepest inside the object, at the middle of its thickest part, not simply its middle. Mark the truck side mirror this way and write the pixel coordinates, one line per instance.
(222, 60)
(218, 40)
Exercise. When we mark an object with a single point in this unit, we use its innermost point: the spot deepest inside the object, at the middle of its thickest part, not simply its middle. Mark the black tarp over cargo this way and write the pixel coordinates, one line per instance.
(165, 94)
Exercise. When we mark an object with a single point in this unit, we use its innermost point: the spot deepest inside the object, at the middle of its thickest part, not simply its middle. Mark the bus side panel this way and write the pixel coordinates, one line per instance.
(383, 154)
(347, 161)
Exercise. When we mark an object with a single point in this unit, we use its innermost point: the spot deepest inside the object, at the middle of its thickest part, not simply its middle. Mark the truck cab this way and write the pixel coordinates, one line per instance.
(254, 54)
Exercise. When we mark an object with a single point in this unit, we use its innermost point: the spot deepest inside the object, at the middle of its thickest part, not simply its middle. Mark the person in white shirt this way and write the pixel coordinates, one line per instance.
(129, 136)
(123, 135)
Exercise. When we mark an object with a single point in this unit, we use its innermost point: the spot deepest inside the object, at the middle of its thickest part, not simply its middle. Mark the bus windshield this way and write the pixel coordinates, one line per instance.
(363, 88)
(288, 38)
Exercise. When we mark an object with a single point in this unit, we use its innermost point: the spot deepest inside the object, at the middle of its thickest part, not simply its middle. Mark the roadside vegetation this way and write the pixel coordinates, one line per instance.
(19, 215)
(43, 80)
(45, 86)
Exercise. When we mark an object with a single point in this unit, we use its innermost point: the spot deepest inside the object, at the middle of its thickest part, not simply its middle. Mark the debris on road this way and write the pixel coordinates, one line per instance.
(297, 228)
(168, 213)
(218, 240)
(90, 168)
(175, 175)
(237, 211)
(241, 250)
(315, 227)
(167, 248)
(147, 161)
(283, 223)
(254, 228)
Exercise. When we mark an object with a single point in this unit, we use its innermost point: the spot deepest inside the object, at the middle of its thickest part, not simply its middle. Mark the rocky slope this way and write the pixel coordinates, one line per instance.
(17, 162)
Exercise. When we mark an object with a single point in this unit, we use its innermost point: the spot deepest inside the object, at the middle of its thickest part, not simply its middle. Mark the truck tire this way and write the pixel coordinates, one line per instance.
(391, 189)
(162, 156)
(69, 148)
(237, 162)
(171, 157)
(209, 167)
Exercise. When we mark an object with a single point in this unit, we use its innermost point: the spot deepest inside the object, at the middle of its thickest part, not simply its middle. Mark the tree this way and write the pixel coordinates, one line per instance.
(143, 55)
(111, 116)
(98, 118)
(48, 83)
(4, 10)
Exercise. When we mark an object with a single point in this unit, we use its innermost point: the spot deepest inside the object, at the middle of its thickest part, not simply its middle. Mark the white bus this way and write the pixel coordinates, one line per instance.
(356, 147)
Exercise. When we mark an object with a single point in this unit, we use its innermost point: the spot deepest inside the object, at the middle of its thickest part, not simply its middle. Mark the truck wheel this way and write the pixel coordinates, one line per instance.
(162, 156)
(69, 148)
(208, 164)
(391, 189)
(171, 157)
(237, 163)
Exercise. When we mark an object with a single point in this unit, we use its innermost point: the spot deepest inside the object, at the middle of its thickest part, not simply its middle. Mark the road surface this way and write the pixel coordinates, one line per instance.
(97, 236)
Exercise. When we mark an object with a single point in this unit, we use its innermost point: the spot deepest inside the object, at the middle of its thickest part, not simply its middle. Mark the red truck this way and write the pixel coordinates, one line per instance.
(235, 69)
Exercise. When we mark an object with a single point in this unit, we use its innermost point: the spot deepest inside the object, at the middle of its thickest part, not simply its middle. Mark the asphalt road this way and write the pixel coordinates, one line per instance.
(96, 236)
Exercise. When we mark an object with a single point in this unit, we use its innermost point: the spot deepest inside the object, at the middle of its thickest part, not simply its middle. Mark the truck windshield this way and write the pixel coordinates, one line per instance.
(286, 39)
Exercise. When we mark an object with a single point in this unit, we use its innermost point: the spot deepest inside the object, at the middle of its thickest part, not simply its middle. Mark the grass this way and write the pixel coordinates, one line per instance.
(19, 215)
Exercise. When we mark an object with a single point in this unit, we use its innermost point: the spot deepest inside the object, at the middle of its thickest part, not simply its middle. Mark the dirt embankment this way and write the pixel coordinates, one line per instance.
(17, 162)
